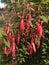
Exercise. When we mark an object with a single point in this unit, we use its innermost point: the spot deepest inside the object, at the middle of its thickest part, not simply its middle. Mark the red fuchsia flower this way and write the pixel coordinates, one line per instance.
(5, 51)
(29, 21)
(7, 29)
(33, 44)
(12, 49)
(28, 24)
(18, 38)
(32, 47)
(28, 27)
(39, 29)
(22, 24)
(9, 36)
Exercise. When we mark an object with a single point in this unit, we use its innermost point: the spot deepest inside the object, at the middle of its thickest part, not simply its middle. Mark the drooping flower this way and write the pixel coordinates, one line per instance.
(32, 47)
(28, 24)
(9, 36)
(33, 44)
(18, 38)
(8, 28)
(29, 21)
(22, 24)
(5, 51)
(12, 49)
(39, 29)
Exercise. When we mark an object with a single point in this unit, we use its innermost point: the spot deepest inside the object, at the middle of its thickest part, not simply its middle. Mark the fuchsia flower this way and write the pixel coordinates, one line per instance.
(29, 21)
(33, 44)
(5, 51)
(8, 29)
(12, 49)
(32, 47)
(9, 36)
(18, 38)
(28, 24)
(39, 29)
(22, 24)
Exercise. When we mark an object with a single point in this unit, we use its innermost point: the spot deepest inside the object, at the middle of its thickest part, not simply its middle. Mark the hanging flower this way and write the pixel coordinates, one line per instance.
(39, 29)
(5, 51)
(32, 47)
(18, 38)
(7, 29)
(9, 36)
(22, 24)
(12, 49)
(29, 21)
(28, 24)
(33, 44)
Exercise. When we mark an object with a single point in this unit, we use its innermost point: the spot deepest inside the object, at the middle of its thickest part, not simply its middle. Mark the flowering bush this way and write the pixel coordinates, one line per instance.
(24, 33)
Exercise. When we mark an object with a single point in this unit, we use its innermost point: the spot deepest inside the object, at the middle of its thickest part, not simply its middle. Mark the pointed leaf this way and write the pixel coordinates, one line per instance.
(7, 43)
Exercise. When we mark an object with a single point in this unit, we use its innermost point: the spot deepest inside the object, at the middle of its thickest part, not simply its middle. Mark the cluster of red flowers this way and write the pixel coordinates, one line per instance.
(11, 38)
(32, 48)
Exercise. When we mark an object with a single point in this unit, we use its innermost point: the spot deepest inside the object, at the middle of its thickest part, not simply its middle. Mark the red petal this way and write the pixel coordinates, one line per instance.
(34, 48)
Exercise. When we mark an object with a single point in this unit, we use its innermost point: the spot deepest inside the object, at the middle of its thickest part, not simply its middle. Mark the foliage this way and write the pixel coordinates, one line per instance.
(13, 12)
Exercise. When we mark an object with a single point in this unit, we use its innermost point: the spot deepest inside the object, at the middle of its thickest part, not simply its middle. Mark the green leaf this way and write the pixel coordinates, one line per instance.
(47, 31)
(31, 25)
(24, 48)
(44, 18)
(18, 1)
(45, 1)
(27, 53)
(36, 40)
(1, 36)
(31, 3)
(7, 43)
(32, 9)
(23, 59)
